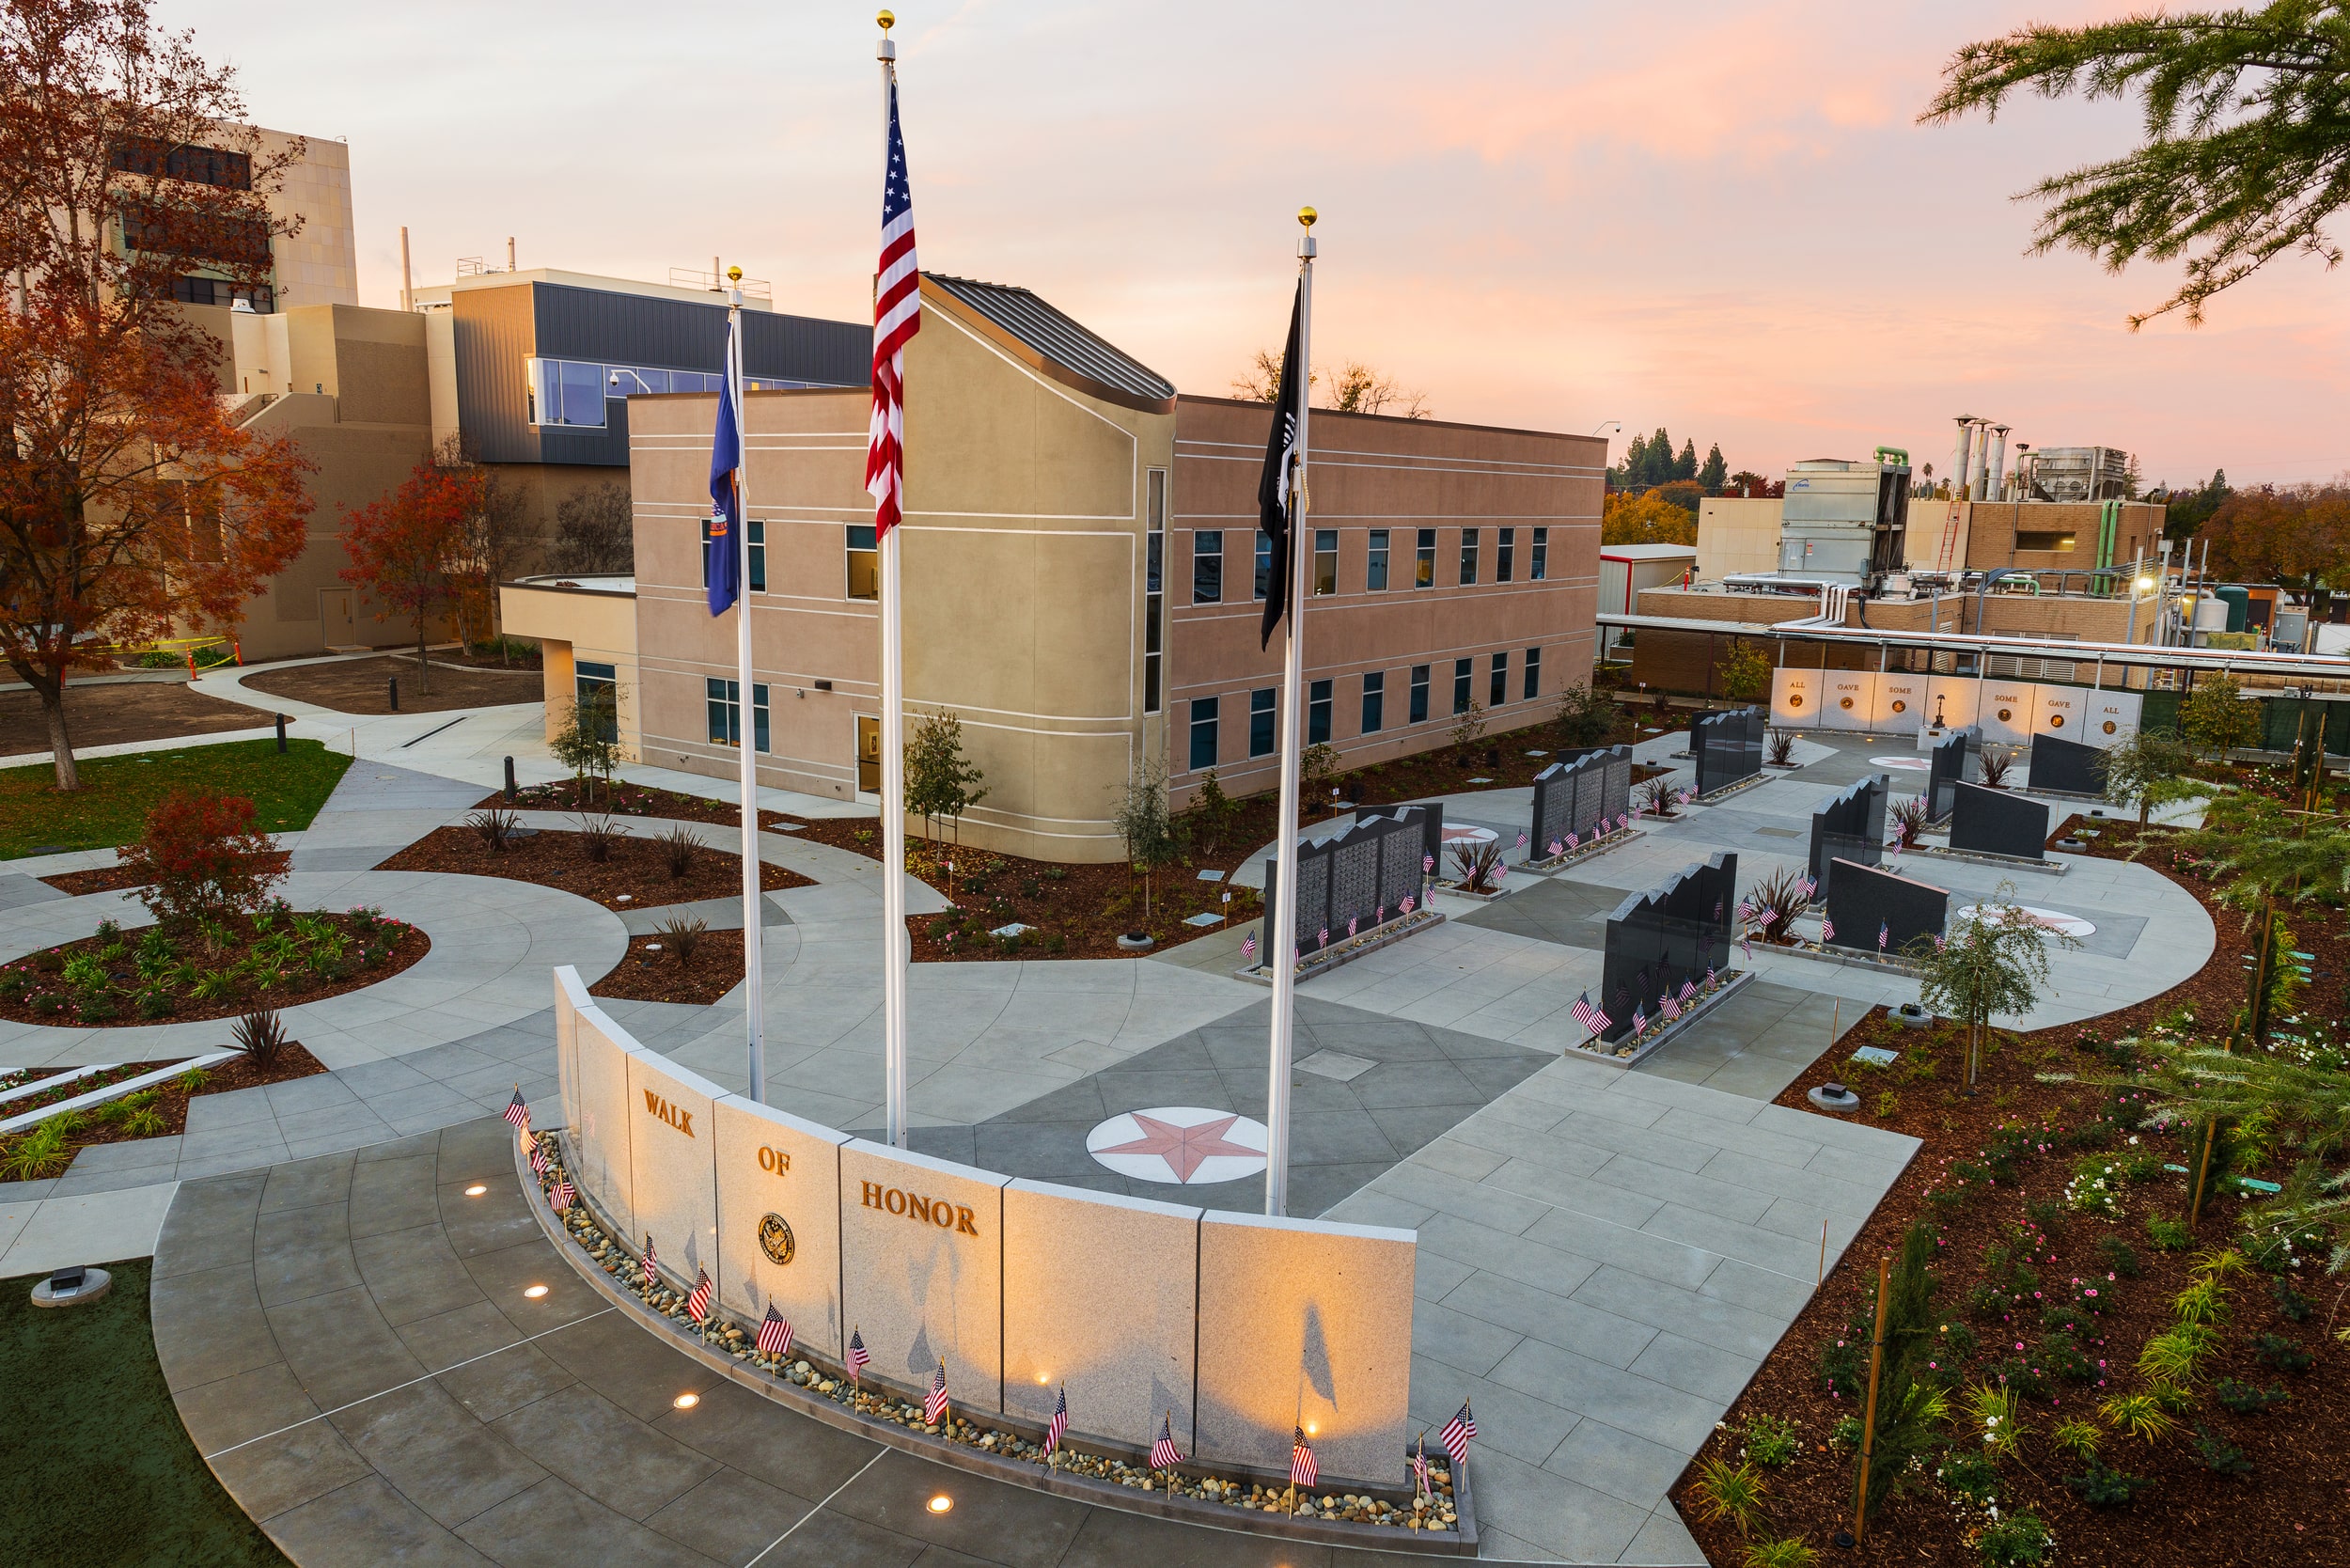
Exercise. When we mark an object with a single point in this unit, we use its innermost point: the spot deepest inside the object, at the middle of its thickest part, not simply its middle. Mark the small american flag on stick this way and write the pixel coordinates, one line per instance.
(698, 1304)
(1352, 921)
(1420, 1465)
(1457, 1434)
(1557, 848)
(1248, 948)
(517, 1112)
(1057, 1428)
(1303, 1470)
(1639, 1021)
(775, 1333)
(1573, 839)
(1521, 841)
(1688, 989)
(1666, 1005)
(1592, 1018)
(538, 1159)
(652, 1261)
(563, 1194)
(934, 1403)
(858, 1358)
(1827, 929)
(1162, 1454)
(1406, 906)
(1884, 933)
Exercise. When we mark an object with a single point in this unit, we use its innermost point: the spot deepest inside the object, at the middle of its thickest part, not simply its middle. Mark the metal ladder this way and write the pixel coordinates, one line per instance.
(1950, 539)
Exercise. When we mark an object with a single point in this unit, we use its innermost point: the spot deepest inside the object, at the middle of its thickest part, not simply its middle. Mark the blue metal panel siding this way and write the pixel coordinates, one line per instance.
(636, 329)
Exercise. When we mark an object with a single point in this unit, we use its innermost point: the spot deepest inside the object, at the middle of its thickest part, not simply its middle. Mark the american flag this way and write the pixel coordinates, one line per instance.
(538, 1159)
(518, 1113)
(1379, 916)
(1624, 820)
(652, 1262)
(1764, 915)
(775, 1333)
(1248, 948)
(1690, 987)
(1303, 1470)
(1457, 1433)
(897, 316)
(1406, 906)
(1709, 977)
(1884, 933)
(1427, 864)
(1521, 841)
(698, 1304)
(1573, 839)
(1745, 945)
(1718, 909)
(1162, 1454)
(1057, 1428)
(934, 1403)
(1420, 1465)
(1639, 1021)
(1557, 848)
(563, 1195)
(858, 1359)
(1588, 1015)
(1325, 937)
(1827, 929)
(1670, 1008)
(1745, 910)
(1352, 921)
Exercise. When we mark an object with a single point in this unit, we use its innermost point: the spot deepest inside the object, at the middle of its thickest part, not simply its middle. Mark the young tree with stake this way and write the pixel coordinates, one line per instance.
(1996, 961)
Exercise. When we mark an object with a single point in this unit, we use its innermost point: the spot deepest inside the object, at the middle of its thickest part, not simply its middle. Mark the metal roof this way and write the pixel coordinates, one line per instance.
(1057, 336)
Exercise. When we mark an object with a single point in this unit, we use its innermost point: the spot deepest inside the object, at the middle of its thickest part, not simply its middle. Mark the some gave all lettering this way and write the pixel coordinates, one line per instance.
(660, 1110)
(936, 1211)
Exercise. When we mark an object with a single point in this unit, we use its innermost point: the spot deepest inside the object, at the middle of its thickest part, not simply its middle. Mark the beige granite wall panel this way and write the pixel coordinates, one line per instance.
(600, 1136)
(779, 1221)
(673, 1142)
(921, 1269)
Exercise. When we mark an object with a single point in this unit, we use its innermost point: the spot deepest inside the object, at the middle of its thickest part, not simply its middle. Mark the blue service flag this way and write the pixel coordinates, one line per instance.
(724, 551)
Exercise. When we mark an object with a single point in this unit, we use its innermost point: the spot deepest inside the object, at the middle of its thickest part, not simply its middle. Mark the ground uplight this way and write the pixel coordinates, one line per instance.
(940, 1504)
(536, 1292)
(686, 1402)
(476, 1190)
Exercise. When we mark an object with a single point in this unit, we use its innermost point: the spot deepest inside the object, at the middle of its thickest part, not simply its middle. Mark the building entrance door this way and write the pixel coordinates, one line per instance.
(867, 756)
(339, 625)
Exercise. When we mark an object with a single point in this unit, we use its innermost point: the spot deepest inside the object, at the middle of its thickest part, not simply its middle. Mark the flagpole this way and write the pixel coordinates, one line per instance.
(1282, 928)
(893, 780)
(754, 988)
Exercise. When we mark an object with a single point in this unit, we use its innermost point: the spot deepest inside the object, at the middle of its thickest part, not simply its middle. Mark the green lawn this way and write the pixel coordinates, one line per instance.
(99, 1470)
(117, 792)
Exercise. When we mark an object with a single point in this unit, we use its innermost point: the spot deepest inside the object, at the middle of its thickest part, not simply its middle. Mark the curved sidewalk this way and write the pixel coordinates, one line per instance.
(349, 1344)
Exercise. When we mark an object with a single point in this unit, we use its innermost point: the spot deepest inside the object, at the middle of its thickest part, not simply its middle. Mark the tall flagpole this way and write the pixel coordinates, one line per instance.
(1281, 936)
(893, 762)
(754, 987)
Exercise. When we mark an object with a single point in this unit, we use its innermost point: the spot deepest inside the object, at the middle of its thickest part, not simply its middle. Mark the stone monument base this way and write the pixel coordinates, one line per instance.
(1658, 1039)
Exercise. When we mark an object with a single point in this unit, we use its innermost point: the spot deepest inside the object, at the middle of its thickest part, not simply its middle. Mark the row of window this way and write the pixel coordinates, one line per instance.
(1207, 560)
(220, 292)
(201, 166)
(1207, 711)
(573, 391)
(862, 563)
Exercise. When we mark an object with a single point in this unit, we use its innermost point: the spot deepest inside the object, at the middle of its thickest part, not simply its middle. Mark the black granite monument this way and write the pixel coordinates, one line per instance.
(1947, 765)
(1728, 747)
(2066, 767)
(1864, 901)
(1998, 821)
(1583, 797)
(1850, 826)
(1362, 873)
(1667, 935)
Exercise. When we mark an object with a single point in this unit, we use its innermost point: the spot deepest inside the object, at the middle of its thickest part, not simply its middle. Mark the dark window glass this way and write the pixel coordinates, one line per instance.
(1264, 564)
(1469, 557)
(1463, 671)
(1534, 674)
(1325, 561)
(1202, 732)
(1498, 692)
(1537, 570)
(1419, 694)
(1207, 567)
(200, 166)
(1375, 572)
(1424, 567)
(759, 718)
(864, 563)
(1261, 737)
(1505, 550)
(1317, 713)
(596, 689)
(726, 717)
(759, 560)
(1374, 702)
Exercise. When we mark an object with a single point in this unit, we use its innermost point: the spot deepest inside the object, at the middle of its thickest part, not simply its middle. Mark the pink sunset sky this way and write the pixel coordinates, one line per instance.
(1720, 218)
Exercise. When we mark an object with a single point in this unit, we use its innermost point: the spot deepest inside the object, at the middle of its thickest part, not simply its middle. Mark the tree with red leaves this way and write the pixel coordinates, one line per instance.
(409, 548)
(128, 500)
(201, 857)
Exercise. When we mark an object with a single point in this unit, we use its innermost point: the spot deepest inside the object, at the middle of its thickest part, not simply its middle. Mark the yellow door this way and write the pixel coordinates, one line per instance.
(867, 756)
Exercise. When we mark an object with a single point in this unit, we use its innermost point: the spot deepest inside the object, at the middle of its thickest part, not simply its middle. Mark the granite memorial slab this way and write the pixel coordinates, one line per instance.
(673, 1162)
(2067, 767)
(1727, 747)
(1581, 796)
(1668, 936)
(601, 1135)
(779, 1221)
(1945, 764)
(921, 1269)
(1864, 899)
(1361, 875)
(1998, 821)
(1850, 826)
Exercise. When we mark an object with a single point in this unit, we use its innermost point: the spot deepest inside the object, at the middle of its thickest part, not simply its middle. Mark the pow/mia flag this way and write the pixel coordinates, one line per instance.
(1274, 497)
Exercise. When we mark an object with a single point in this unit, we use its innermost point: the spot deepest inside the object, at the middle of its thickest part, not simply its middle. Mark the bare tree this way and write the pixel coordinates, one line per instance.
(594, 532)
(494, 536)
(1359, 389)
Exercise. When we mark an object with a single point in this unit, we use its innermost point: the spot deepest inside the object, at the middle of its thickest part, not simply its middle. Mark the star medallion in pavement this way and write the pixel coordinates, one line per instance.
(1179, 1141)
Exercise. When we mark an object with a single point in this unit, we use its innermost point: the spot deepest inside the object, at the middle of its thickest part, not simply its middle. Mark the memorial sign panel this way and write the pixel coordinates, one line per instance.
(1850, 826)
(1664, 938)
(1946, 767)
(1900, 703)
(2068, 767)
(1999, 821)
(1951, 701)
(1795, 698)
(673, 1161)
(921, 1268)
(779, 1221)
(602, 1134)
(1864, 901)
(1849, 701)
(2004, 711)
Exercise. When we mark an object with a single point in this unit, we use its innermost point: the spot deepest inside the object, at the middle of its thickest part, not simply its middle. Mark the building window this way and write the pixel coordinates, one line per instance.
(199, 165)
(1469, 557)
(1264, 564)
(868, 755)
(1505, 551)
(596, 688)
(1325, 561)
(1419, 694)
(1207, 567)
(1261, 737)
(1374, 702)
(864, 563)
(1375, 572)
(1537, 570)
(726, 713)
(573, 391)
(1318, 712)
(2053, 541)
(1155, 591)
(1463, 670)
(759, 554)
(1498, 692)
(220, 292)
(1202, 732)
(1424, 569)
(1534, 674)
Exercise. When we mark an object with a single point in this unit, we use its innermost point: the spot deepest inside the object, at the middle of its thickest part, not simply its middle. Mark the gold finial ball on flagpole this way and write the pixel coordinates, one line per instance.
(887, 21)
(1306, 215)
(734, 275)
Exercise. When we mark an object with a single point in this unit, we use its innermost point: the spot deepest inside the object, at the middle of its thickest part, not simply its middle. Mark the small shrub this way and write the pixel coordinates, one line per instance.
(2204, 1302)
(1786, 1552)
(192, 1081)
(2275, 1350)
(682, 936)
(1727, 1492)
(598, 835)
(2076, 1438)
(680, 847)
(110, 931)
(1972, 1476)
(496, 828)
(2060, 1355)
(2246, 1400)
(943, 925)
(1991, 1414)
(37, 1154)
(13, 984)
(155, 1002)
(48, 1004)
(2047, 1214)
(2169, 1235)
(1770, 1439)
(2175, 1355)
(146, 1121)
(200, 856)
(1475, 867)
(2102, 1487)
(2117, 1257)
(1995, 762)
(1887, 1103)
(2292, 1303)
(1846, 1435)
(83, 972)
(1781, 744)
(97, 1009)
(214, 985)
(2139, 1416)
(262, 1036)
(2219, 1455)
(2016, 1542)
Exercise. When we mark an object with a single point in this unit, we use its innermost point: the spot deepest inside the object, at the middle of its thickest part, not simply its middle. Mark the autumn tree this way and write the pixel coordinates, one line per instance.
(408, 548)
(594, 532)
(1648, 519)
(128, 499)
(2294, 536)
(493, 536)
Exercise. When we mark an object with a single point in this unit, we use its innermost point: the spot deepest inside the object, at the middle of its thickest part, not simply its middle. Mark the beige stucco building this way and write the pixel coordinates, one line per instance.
(1080, 574)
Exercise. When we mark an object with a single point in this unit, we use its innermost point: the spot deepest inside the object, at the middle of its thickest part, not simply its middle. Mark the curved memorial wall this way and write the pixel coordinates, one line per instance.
(1239, 1326)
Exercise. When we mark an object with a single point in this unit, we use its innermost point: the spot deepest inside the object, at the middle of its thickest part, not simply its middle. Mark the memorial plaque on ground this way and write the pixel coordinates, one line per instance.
(1727, 747)
(1667, 935)
(2067, 767)
(1947, 768)
(1998, 821)
(1579, 796)
(1361, 873)
(1850, 826)
(1864, 901)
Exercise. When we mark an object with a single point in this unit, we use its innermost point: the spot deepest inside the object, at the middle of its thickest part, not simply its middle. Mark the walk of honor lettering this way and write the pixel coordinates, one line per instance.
(935, 1210)
(660, 1110)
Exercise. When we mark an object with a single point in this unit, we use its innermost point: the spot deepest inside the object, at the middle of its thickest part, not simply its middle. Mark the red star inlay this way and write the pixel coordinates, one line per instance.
(1182, 1148)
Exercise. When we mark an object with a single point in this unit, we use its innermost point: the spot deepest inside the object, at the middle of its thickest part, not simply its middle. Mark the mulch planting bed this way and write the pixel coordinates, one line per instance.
(363, 686)
(159, 1110)
(120, 714)
(653, 973)
(110, 879)
(623, 799)
(280, 958)
(636, 875)
(2001, 1165)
